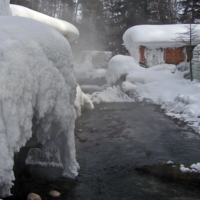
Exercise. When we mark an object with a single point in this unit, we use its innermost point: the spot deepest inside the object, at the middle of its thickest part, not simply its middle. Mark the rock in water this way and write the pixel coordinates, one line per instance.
(54, 193)
(33, 196)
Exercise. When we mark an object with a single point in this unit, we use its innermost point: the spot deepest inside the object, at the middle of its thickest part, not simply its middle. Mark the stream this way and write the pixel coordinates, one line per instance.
(111, 141)
(130, 135)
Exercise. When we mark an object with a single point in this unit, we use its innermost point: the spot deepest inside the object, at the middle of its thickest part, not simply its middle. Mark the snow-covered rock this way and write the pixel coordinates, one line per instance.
(36, 81)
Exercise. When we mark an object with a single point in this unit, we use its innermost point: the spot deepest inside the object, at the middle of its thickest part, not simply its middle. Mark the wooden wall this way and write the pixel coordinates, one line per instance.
(171, 55)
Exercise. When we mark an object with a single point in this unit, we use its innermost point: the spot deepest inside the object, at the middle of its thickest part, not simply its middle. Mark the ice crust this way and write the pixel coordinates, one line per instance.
(36, 80)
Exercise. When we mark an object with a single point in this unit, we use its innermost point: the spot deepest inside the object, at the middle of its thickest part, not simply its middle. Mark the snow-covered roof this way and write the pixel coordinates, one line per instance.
(65, 28)
(161, 35)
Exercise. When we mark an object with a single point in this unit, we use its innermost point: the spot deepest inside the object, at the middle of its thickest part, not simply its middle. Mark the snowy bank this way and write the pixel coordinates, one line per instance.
(36, 81)
(65, 28)
(162, 84)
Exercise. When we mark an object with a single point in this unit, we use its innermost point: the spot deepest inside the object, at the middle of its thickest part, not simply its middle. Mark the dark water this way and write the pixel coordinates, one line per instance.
(111, 141)
(130, 135)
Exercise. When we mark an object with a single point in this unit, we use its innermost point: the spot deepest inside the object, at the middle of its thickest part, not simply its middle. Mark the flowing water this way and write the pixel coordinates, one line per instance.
(111, 141)
(128, 135)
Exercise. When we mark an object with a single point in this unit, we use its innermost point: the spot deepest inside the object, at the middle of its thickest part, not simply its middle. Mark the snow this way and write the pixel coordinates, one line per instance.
(118, 66)
(90, 70)
(110, 94)
(82, 101)
(196, 62)
(36, 80)
(157, 36)
(195, 168)
(4, 7)
(94, 59)
(162, 84)
(65, 28)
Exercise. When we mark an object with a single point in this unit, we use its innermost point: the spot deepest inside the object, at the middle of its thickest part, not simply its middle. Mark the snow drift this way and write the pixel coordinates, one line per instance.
(36, 81)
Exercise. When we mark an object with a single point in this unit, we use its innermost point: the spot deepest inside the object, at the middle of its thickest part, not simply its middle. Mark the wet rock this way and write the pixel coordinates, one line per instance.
(82, 139)
(170, 171)
(33, 196)
(54, 193)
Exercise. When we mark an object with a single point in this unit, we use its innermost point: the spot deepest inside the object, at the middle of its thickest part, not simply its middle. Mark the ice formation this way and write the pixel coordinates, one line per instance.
(196, 62)
(36, 81)
(65, 28)
(82, 101)
(110, 94)
(4, 7)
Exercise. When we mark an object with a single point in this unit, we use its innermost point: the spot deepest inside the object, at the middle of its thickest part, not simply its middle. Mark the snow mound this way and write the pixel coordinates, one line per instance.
(118, 66)
(36, 81)
(65, 28)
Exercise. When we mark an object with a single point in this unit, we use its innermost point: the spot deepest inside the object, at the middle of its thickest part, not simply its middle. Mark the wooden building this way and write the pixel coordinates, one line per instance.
(158, 44)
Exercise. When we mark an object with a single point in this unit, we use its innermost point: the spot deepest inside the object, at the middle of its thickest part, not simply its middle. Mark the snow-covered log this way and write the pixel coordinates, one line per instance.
(36, 81)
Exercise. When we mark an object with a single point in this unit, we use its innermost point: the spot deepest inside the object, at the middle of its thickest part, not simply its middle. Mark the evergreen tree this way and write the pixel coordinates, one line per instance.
(191, 11)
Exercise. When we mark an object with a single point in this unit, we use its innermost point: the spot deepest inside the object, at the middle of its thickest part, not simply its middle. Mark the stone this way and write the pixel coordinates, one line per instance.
(33, 196)
(54, 193)
(82, 139)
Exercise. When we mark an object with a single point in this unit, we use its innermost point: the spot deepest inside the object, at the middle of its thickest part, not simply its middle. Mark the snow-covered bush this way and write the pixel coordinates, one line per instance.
(36, 81)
